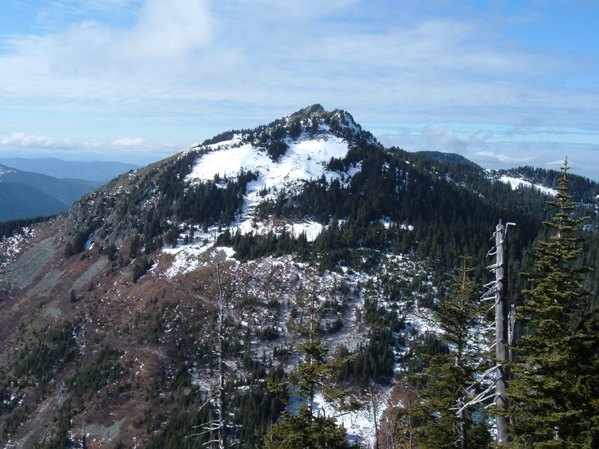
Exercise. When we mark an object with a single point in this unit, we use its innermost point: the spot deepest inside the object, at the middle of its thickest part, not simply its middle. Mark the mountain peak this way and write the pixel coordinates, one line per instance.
(316, 110)
(305, 124)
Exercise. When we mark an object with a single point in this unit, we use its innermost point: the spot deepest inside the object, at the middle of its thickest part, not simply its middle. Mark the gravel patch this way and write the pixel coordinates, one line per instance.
(48, 282)
(90, 273)
(53, 311)
(30, 264)
(104, 432)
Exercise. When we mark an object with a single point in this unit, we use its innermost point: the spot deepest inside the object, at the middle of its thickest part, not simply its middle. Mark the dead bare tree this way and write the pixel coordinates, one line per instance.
(217, 427)
(495, 378)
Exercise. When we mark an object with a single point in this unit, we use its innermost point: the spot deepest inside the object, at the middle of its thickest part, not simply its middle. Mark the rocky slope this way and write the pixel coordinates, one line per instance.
(108, 312)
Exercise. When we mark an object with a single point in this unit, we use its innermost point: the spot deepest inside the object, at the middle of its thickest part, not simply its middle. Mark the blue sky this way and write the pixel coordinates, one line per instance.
(502, 83)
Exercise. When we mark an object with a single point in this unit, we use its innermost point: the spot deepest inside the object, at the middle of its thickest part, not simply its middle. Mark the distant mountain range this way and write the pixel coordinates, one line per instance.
(25, 194)
(96, 171)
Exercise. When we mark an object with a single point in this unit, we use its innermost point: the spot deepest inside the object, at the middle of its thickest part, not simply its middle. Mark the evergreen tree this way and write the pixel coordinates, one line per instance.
(306, 429)
(445, 423)
(555, 391)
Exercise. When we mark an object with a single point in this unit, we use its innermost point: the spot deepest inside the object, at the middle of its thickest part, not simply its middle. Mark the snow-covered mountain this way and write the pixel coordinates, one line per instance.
(301, 156)
(107, 313)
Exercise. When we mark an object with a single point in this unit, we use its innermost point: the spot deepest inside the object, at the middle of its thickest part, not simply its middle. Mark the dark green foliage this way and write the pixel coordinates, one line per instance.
(140, 268)
(9, 228)
(452, 158)
(257, 409)
(555, 394)
(315, 373)
(92, 377)
(184, 429)
(449, 207)
(436, 421)
(590, 247)
(111, 252)
(59, 436)
(208, 203)
(134, 246)
(268, 333)
(174, 201)
(205, 203)
(276, 149)
(582, 189)
(222, 137)
(374, 361)
(39, 361)
(304, 431)
(447, 376)
(77, 243)
(251, 246)
(417, 359)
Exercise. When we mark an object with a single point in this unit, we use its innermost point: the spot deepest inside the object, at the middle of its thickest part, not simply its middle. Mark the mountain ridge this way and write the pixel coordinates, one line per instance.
(108, 312)
(93, 171)
(27, 194)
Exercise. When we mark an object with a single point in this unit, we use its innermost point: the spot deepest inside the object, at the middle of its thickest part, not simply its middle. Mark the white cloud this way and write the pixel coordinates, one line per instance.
(189, 55)
(504, 158)
(556, 163)
(20, 139)
(15, 142)
(128, 142)
(168, 30)
(90, 60)
(437, 138)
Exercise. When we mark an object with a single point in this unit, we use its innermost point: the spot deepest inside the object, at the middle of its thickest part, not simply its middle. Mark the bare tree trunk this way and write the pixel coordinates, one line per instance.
(220, 398)
(501, 331)
(464, 429)
(391, 434)
(375, 397)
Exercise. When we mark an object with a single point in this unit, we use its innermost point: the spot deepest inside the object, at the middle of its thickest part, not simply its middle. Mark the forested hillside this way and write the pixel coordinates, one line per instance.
(298, 285)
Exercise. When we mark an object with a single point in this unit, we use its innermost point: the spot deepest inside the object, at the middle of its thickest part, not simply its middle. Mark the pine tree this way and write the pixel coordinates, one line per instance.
(307, 429)
(555, 391)
(445, 422)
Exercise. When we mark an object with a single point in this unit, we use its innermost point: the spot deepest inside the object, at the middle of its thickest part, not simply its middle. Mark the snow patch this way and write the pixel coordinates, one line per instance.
(359, 424)
(517, 183)
(89, 244)
(188, 258)
(11, 247)
(303, 160)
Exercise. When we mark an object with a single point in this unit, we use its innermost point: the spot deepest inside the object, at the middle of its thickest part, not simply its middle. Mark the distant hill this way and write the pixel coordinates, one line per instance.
(447, 157)
(21, 201)
(24, 194)
(97, 171)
